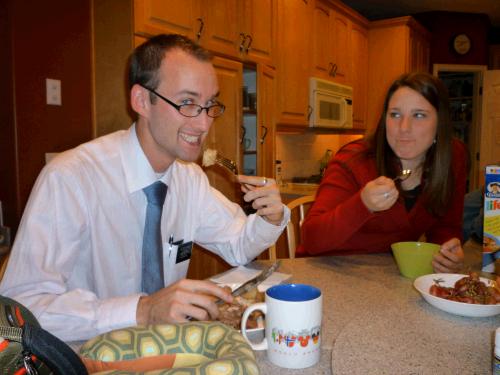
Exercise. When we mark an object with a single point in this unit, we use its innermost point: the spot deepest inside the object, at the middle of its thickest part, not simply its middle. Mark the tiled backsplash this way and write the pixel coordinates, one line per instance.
(300, 154)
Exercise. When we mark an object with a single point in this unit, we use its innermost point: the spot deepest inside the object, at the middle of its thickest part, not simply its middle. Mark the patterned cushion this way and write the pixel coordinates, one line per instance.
(192, 348)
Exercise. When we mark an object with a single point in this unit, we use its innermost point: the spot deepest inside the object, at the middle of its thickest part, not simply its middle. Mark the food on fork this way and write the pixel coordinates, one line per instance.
(209, 157)
(468, 289)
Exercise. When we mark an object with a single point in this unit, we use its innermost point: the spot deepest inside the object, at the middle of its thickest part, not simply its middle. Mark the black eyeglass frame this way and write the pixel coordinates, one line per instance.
(178, 107)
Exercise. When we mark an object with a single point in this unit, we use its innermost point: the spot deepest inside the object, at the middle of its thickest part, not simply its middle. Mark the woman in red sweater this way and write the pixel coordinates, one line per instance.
(360, 208)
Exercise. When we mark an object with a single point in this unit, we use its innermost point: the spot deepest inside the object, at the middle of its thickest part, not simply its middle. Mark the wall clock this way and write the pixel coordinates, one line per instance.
(461, 44)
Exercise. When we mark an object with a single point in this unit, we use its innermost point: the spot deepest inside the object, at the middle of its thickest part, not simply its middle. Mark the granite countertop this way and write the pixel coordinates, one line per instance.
(375, 322)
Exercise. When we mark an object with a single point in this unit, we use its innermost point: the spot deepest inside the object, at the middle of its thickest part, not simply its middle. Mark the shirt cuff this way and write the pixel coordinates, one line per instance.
(284, 221)
(118, 312)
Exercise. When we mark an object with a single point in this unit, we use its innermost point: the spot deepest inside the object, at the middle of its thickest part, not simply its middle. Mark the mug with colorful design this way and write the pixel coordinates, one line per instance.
(293, 325)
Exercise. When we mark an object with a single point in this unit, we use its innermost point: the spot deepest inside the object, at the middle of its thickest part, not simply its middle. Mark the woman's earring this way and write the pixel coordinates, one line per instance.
(434, 141)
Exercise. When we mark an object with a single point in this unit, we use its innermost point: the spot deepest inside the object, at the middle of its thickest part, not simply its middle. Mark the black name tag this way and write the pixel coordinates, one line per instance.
(184, 252)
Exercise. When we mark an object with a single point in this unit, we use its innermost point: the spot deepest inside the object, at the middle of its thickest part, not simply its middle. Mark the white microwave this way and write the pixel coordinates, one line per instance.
(330, 104)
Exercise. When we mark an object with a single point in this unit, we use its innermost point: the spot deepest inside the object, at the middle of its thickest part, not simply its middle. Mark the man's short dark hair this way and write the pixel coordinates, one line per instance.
(146, 59)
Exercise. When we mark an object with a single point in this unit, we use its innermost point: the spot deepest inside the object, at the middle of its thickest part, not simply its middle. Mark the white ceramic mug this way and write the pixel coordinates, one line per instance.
(293, 325)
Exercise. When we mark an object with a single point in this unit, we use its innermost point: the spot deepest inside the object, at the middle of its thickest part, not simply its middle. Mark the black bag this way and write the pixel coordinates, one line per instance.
(26, 345)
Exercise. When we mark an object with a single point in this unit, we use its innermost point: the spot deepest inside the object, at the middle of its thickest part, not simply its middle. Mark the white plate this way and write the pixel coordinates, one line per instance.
(423, 284)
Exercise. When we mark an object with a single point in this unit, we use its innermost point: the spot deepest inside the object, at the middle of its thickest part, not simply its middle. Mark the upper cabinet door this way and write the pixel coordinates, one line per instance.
(359, 74)
(259, 20)
(222, 20)
(293, 63)
(154, 17)
(331, 49)
(322, 36)
(341, 48)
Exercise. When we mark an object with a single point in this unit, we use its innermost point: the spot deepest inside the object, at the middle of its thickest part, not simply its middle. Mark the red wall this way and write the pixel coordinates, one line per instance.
(48, 39)
(445, 25)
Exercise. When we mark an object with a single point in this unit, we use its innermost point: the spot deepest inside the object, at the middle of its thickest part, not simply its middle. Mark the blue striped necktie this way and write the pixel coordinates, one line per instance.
(152, 249)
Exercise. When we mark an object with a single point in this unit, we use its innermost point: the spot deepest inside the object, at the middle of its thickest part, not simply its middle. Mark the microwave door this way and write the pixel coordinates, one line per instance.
(330, 110)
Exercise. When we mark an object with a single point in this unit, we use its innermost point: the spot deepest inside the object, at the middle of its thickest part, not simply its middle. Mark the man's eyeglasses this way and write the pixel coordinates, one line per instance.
(192, 110)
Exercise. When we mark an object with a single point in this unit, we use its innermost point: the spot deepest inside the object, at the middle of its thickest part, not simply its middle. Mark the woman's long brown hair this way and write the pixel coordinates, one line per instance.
(438, 179)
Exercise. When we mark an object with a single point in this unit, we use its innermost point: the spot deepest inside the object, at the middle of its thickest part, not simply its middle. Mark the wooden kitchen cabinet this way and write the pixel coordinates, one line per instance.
(260, 28)
(244, 30)
(221, 27)
(331, 45)
(419, 50)
(340, 51)
(341, 55)
(396, 46)
(152, 17)
(332, 49)
(293, 64)
(359, 74)
(266, 127)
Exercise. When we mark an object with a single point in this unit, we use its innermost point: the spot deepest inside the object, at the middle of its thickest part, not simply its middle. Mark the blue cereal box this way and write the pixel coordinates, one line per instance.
(491, 235)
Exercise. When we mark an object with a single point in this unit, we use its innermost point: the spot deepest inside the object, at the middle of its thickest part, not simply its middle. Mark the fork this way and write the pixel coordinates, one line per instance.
(226, 163)
(405, 173)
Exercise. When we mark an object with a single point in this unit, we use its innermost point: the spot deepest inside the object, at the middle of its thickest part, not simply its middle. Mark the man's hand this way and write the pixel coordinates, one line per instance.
(265, 197)
(450, 258)
(183, 299)
(379, 194)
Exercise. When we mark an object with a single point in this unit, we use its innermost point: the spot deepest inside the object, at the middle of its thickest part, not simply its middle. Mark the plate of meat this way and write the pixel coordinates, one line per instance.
(465, 295)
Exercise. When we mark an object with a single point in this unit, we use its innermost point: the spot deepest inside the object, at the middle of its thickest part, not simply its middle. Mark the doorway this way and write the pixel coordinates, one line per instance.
(464, 83)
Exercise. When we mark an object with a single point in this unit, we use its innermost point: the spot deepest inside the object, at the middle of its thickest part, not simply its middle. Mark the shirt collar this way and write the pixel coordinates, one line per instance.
(138, 171)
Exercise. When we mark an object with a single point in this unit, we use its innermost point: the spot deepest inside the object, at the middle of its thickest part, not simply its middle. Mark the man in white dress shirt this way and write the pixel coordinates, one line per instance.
(76, 260)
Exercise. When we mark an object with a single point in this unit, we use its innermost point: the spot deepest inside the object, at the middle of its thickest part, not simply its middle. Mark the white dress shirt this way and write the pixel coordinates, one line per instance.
(76, 260)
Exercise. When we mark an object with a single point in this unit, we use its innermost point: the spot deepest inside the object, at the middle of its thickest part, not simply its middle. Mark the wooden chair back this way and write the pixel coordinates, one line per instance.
(298, 212)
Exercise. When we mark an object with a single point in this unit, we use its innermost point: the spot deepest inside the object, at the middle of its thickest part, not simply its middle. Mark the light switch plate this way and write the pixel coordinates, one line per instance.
(53, 91)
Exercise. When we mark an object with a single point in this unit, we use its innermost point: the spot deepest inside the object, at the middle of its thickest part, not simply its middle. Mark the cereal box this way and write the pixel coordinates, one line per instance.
(491, 235)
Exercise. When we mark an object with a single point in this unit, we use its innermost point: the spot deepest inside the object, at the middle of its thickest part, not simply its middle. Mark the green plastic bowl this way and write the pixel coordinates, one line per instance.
(414, 259)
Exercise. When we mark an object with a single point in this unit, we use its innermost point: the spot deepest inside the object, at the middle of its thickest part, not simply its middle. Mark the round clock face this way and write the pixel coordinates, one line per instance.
(461, 44)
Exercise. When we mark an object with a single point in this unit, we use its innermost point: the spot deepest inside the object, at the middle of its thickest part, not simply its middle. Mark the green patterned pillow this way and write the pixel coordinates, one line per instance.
(193, 348)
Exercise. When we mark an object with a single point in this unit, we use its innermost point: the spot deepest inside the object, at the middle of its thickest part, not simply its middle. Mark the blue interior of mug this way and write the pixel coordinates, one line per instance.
(293, 292)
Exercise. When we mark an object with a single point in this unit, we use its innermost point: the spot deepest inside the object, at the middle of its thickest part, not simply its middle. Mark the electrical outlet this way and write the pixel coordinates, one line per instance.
(5, 236)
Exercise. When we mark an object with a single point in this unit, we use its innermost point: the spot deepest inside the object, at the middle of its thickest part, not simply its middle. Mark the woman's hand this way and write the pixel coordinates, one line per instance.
(450, 258)
(379, 194)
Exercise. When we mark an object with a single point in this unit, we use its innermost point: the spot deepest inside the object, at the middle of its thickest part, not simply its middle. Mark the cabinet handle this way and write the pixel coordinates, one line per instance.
(249, 43)
(330, 68)
(243, 133)
(200, 30)
(263, 135)
(242, 43)
(333, 71)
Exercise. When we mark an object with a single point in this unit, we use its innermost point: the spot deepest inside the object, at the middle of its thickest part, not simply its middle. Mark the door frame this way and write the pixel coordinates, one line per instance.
(475, 134)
